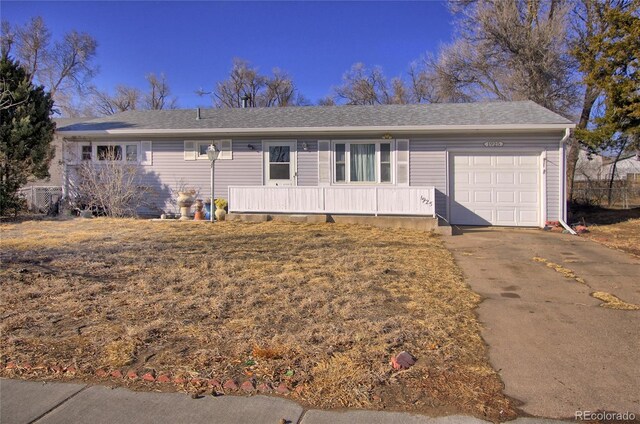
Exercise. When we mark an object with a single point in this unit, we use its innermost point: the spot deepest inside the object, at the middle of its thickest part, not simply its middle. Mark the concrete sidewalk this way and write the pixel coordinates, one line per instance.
(23, 402)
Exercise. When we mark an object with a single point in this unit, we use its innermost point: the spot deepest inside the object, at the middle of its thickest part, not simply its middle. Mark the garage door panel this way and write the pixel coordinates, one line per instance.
(528, 217)
(505, 177)
(482, 177)
(481, 160)
(505, 160)
(528, 197)
(528, 178)
(461, 160)
(463, 196)
(506, 216)
(505, 197)
(485, 214)
(482, 196)
(529, 161)
(498, 189)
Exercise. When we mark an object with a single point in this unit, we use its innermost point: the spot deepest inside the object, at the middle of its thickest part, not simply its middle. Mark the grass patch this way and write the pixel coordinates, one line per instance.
(320, 306)
(613, 302)
(560, 269)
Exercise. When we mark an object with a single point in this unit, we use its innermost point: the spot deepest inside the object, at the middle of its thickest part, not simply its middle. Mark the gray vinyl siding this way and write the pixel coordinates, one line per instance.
(307, 163)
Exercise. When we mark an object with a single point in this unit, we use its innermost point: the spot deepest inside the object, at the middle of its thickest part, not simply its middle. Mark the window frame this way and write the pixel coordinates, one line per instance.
(203, 143)
(378, 162)
(123, 146)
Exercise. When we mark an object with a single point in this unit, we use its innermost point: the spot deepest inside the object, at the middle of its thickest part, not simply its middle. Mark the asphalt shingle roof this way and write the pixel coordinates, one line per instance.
(489, 113)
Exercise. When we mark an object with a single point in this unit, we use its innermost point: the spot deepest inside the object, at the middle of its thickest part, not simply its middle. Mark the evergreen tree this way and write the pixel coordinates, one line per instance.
(615, 70)
(26, 131)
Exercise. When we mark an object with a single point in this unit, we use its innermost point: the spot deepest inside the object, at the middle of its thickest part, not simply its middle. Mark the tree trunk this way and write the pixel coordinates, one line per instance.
(613, 171)
(590, 96)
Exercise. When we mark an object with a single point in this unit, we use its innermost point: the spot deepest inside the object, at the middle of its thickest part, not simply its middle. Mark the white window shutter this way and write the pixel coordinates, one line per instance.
(324, 162)
(402, 162)
(190, 150)
(226, 149)
(146, 153)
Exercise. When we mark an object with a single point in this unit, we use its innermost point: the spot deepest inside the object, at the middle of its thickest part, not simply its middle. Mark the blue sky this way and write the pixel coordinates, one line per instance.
(193, 43)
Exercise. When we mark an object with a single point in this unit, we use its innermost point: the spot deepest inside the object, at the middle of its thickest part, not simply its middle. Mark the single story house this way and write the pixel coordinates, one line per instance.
(493, 163)
(595, 167)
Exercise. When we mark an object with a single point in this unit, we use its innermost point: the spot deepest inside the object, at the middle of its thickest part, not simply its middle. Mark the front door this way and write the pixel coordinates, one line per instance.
(280, 163)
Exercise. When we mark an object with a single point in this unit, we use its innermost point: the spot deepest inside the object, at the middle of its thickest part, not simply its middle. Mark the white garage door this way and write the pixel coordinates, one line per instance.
(491, 189)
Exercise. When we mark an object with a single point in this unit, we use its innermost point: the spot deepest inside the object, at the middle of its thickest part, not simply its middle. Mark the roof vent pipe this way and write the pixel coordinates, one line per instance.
(245, 101)
(198, 113)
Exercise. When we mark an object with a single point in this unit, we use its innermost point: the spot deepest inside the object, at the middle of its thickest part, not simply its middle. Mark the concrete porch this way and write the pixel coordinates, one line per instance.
(418, 223)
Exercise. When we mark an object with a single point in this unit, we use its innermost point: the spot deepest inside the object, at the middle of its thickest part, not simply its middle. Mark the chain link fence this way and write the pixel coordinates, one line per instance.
(624, 194)
(42, 199)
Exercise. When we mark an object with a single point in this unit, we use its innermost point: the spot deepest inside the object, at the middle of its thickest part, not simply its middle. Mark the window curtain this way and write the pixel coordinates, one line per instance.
(363, 162)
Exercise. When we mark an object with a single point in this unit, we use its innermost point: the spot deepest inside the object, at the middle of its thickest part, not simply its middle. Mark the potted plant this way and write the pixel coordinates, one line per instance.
(221, 212)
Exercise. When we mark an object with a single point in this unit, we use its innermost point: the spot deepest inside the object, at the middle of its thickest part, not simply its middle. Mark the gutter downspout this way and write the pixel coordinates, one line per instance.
(563, 183)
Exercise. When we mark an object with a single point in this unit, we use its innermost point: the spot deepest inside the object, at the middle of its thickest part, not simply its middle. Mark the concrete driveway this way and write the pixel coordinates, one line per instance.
(556, 349)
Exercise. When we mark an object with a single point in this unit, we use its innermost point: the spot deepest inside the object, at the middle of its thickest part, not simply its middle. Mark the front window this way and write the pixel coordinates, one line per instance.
(341, 164)
(279, 159)
(108, 152)
(202, 149)
(132, 152)
(86, 153)
(362, 162)
(385, 162)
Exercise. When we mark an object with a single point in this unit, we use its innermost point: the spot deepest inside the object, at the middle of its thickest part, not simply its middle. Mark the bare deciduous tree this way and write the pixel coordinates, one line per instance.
(64, 67)
(507, 50)
(109, 186)
(369, 86)
(279, 90)
(125, 98)
(159, 95)
(363, 86)
(245, 81)
(327, 101)
(131, 98)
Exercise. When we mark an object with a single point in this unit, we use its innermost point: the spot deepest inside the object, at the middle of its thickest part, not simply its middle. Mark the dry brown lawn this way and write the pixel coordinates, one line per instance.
(615, 228)
(623, 236)
(320, 307)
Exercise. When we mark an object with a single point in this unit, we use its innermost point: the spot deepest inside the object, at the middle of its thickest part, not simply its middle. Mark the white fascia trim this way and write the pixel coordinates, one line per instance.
(320, 130)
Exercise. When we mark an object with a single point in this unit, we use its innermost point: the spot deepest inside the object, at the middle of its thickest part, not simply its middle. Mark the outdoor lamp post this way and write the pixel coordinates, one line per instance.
(212, 153)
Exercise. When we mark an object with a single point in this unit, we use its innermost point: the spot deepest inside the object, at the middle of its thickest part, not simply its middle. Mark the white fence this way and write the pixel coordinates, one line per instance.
(337, 200)
(42, 199)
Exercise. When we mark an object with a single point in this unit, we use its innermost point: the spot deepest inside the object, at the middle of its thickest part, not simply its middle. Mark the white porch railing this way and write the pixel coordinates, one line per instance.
(334, 199)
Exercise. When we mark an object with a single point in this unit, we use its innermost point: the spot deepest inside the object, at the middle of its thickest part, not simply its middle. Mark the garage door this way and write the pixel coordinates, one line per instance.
(490, 189)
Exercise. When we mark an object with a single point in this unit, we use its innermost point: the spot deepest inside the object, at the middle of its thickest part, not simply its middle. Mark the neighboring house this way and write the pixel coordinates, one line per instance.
(627, 168)
(595, 167)
(589, 166)
(499, 163)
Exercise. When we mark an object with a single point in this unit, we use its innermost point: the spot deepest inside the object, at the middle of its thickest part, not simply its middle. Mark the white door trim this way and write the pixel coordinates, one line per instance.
(293, 160)
(451, 152)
